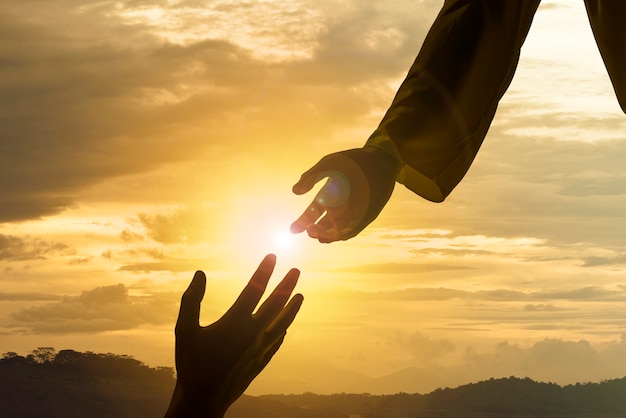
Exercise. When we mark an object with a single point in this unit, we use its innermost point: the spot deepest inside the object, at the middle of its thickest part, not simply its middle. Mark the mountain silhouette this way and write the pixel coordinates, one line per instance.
(84, 384)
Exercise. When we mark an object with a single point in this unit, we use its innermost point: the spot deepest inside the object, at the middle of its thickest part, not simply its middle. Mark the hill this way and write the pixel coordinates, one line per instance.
(507, 397)
(73, 384)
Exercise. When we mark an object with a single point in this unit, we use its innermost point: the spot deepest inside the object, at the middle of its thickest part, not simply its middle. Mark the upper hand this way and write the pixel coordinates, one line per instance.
(216, 363)
(360, 182)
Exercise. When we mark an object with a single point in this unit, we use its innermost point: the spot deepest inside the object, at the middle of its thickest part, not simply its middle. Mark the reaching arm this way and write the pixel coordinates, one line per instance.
(444, 107)
(216, 363)
(437, 120)
(607, 19)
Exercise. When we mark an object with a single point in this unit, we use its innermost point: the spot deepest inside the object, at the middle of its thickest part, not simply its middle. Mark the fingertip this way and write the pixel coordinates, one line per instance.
(198, 282)
(297, 189)
(195, 290)
(306, 182)
(312, 233)
(271, 257)
(267, 265)
(292, 277)
(296, 228)
(295, 304)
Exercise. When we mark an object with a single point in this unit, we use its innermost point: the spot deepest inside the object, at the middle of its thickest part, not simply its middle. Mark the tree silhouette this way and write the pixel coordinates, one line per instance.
(43, 355)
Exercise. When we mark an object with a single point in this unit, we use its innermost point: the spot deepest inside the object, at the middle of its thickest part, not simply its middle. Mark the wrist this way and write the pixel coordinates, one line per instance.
(382, 142)
(384, 161)
(186, 405)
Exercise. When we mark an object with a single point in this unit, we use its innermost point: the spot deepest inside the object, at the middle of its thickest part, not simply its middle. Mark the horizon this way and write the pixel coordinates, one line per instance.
(46, 357)
(141, 141)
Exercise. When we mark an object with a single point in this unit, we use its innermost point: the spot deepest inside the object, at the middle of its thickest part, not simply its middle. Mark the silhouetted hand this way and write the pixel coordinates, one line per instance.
(215, 364)
(360, 182)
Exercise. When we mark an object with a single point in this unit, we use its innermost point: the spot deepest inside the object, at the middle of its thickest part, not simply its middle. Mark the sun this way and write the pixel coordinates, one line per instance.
(252, 237)
(281, 241)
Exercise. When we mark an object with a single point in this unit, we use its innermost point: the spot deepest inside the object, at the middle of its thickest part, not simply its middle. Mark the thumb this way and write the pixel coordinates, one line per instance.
(308, 179)
(189, 315)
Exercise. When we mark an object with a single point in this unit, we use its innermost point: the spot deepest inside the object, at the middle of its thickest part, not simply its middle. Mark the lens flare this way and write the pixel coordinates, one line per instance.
(336, 190)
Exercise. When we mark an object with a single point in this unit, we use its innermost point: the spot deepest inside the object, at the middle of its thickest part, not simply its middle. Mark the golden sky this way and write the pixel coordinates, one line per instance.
(142, 140)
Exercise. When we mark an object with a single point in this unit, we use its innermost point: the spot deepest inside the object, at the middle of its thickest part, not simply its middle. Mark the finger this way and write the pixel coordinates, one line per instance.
(310, 216)
(252, 293)
(271, 350)
(261, 358)
(189, 314)
(308, 179)
(325, 230)
(279, 326)
(277, 300)
(330, 230)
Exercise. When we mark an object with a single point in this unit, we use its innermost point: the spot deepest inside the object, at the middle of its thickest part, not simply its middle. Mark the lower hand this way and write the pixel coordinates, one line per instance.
(216, 363)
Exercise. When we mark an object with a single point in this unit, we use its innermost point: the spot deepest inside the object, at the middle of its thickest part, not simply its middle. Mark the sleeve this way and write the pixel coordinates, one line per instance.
(607, 20)
(443, 109)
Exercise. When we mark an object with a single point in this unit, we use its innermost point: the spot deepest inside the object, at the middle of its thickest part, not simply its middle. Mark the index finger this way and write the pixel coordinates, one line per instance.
(311, 215)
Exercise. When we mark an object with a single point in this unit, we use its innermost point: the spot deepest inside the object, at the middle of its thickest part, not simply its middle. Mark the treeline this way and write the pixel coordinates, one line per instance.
(88, 363)
(506, 397)
(68, 383)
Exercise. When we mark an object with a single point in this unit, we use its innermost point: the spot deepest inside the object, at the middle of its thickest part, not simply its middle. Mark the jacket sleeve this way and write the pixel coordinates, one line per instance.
(443, 109)
(608, 22)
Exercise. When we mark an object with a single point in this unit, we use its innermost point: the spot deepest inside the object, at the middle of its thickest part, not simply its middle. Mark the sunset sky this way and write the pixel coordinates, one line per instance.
(143, 140)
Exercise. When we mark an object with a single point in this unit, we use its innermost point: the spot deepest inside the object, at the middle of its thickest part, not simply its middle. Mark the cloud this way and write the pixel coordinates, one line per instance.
(22, 297)
(105, 308)
(589, 293)
(82, 107)
(426, 349)
(399, 268)
(563, 193)
(548, 360)
(14, 248)
(586, 293)
(182, 225)
(595, 261)
(542, 307)
(555, 360)
(174, 265)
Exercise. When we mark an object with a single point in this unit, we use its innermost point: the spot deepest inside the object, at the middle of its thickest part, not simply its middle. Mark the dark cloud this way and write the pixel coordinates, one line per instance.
(88, 96)
(14, 248)
(104, 308)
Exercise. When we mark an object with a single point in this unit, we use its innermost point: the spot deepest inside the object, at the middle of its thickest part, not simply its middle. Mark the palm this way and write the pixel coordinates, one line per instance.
(216, 363)
(360, 182)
